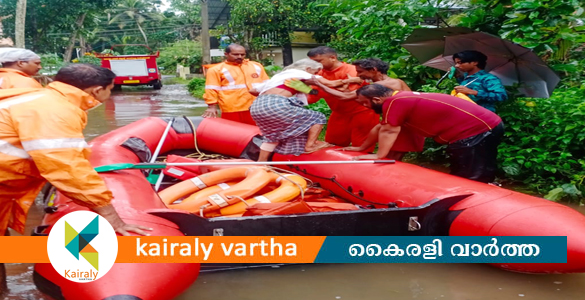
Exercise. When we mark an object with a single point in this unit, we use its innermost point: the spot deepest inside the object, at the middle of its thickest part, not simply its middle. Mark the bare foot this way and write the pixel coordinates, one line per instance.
(321, 144)
(317, 146)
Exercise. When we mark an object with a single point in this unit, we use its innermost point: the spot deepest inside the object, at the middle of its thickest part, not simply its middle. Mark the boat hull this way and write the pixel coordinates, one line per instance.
(133, 196)
(479, 209)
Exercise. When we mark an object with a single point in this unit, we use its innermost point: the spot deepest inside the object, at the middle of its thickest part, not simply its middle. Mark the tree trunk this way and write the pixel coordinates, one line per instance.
(143, 34)
(205, 44)
(287, 56)
(19, 25)
(82, 45)
(72, 38)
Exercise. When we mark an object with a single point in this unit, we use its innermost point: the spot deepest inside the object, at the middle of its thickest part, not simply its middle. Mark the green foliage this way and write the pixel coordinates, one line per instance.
(554, 29)
(130, 50)
(49, 22)
(250, 20)
(184, 52)
(543, 144)
(134, 13)
(51, 63)
(197, 87)
(321, 106)
(377, 29)
(272, 69)
(88, 59)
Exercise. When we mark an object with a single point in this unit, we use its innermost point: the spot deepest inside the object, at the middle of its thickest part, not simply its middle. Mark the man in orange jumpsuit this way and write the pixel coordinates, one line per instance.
(41, 139)
(18, 65)
(375, 70)
(227, 85)
(349, 123)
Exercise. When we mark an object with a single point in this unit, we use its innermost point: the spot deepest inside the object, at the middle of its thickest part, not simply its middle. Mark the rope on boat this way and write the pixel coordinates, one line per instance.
(200, 155)
(332, 179)
(309, 181)
(240, 198)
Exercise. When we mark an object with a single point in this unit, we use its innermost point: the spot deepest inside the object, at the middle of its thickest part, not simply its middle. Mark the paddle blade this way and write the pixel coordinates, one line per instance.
(114, 167)
(123, 166)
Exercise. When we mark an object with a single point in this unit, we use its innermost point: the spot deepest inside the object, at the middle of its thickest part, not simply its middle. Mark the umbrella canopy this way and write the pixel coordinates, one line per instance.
(512, 63)
(428, 43)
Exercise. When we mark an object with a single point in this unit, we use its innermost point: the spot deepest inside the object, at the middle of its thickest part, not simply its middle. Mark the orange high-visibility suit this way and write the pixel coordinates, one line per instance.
(227, 84)
(41, 139)
(11, 78)
(351, 122)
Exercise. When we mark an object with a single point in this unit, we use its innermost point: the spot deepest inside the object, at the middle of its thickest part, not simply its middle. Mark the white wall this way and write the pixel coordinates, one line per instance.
(297, 53)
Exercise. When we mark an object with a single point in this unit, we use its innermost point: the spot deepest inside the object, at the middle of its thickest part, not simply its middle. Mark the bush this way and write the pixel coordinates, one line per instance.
(322, 107)
(197, 87)
(543, 143)
(272, 69)
(88, 58)
(51, 63)
(185, 52)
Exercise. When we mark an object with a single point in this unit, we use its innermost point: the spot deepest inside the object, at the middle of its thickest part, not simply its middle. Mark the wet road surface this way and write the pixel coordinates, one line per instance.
(308, 282)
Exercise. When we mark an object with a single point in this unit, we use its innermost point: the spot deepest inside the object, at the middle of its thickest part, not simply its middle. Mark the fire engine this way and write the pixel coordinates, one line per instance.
(140, 69)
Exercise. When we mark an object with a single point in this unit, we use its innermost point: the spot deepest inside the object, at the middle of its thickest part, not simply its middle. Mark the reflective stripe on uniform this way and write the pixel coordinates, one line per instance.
(225, 88)
(228, 76)
(9, 149)
(234, 87)
(258, 70)
(8, 103)
(44, 144)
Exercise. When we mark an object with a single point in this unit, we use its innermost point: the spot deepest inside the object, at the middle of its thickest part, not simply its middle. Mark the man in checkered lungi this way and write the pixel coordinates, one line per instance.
(288, 127)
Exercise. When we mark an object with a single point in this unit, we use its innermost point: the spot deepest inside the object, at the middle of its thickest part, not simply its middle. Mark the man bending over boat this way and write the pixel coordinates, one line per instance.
(375, 70)
(18, 65)
(471, 132)
(286, 126)
(227, 85)
(41, 139)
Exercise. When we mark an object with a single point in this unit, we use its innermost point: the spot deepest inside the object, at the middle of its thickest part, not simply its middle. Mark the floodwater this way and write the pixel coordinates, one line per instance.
(318, 281)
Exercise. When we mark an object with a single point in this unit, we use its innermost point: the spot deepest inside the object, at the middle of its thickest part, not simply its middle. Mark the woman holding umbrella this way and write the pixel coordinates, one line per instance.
(482, 87)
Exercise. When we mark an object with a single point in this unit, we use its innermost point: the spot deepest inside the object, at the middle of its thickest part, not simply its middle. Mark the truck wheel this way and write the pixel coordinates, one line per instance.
(117, 87)
(157, 85)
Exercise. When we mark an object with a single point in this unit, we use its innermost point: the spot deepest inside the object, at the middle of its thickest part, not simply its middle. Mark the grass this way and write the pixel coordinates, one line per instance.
(175, 80)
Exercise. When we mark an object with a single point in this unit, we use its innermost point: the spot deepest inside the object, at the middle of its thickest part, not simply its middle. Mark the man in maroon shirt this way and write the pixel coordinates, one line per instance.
(471, 131)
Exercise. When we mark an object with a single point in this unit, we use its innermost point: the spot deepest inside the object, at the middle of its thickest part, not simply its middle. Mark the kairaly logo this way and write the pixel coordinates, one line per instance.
(82, 246)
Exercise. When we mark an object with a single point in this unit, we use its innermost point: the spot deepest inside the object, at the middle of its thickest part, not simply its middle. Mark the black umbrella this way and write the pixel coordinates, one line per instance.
(512, 63)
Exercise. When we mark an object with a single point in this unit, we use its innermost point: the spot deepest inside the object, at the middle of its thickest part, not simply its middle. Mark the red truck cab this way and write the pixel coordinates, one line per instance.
(134, 69)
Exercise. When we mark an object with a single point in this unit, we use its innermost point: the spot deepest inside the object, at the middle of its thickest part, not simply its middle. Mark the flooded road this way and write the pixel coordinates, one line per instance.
(312, 282)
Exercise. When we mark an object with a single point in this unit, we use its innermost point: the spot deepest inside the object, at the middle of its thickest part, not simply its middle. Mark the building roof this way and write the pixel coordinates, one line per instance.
(219, 13)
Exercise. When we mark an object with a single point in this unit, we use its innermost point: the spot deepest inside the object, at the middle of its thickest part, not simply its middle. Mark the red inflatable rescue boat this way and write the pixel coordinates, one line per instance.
(396, 199)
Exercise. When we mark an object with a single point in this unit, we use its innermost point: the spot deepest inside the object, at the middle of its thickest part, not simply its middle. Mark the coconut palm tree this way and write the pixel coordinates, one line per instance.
(134, 12)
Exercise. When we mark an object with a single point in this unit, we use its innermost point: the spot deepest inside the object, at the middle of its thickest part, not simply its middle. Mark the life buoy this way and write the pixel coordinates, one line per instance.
(188, 204)
(289, 187)
(254, 180)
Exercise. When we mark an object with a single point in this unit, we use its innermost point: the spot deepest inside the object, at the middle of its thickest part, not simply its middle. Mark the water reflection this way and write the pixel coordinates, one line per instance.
(132, 104)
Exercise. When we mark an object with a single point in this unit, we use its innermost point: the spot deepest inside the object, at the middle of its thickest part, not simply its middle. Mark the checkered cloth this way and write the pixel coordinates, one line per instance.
(284, 120)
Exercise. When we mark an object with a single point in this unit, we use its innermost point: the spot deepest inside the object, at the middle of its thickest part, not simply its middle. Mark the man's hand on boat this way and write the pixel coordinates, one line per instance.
(351, 149)
(109, 213)
(366, 157)
(211, 111)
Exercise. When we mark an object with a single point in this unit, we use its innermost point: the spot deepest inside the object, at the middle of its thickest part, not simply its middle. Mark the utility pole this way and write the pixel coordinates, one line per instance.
(205, 33)
(19, 25)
